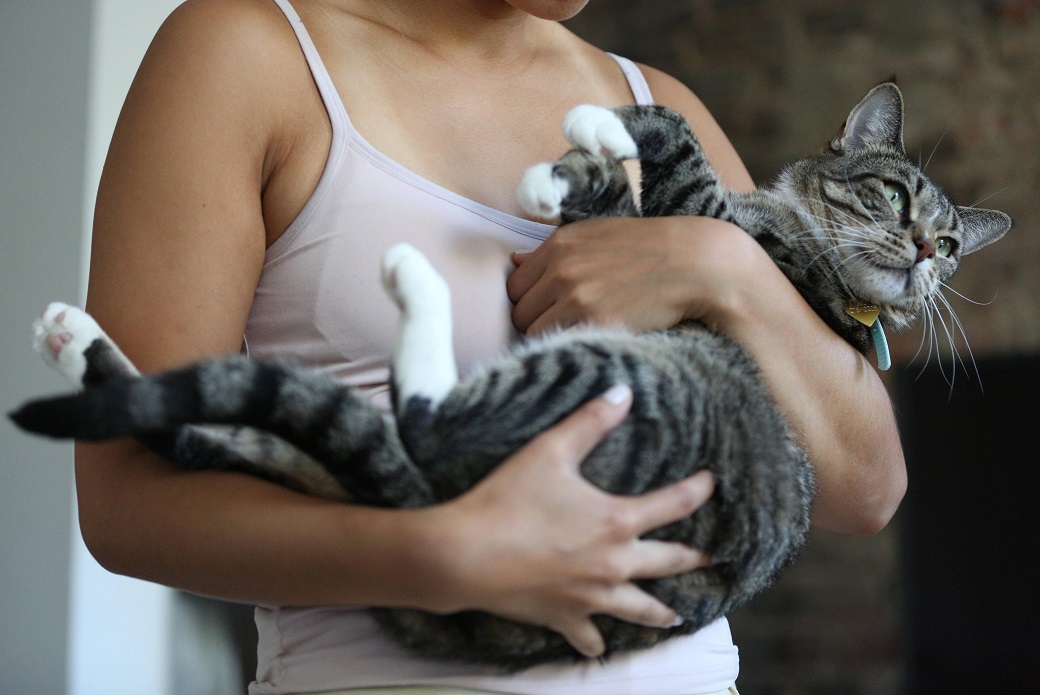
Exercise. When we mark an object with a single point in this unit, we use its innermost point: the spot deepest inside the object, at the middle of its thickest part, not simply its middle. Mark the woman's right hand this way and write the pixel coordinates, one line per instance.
(536, 542)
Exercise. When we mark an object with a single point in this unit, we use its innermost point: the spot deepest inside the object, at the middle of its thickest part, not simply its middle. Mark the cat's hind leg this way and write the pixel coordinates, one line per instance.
(424, 371)
(71, 342)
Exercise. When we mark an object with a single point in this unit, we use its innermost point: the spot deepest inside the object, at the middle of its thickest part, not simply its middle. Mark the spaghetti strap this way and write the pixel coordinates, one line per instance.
(636, 79)
(342, 131)
(326, 88)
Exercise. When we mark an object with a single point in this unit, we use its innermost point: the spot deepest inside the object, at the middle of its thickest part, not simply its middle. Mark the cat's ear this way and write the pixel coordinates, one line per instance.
(876, 120)
(981, 227)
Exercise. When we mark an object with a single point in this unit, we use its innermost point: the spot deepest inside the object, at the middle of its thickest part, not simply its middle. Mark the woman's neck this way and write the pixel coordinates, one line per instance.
(482, 33)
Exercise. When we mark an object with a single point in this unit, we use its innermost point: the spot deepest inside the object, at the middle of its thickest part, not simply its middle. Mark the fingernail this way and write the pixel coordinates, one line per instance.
(617, 394)
(679, 620)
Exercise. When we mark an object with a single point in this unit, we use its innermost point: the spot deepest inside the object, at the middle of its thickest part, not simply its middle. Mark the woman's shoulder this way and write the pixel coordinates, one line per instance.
(225, 48)
(234, 63)
(205, 30)
(215, 15)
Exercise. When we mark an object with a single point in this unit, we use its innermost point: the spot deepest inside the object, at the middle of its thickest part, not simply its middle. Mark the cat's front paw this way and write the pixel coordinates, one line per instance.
(62, 335)
(541, 193)
(600, 132)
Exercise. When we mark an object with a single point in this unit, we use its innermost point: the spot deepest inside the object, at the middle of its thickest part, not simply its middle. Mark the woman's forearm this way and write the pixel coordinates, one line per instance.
(239, 538)
(835, 402)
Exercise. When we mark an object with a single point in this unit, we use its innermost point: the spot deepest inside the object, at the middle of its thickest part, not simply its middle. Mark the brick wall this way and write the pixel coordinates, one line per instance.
(780, 78)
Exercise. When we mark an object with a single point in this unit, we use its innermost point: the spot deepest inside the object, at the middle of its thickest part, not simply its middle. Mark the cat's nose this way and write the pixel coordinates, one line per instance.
(925, 248)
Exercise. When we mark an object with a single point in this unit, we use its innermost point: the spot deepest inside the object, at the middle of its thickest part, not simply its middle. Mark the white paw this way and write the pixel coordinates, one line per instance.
(411, 280)
(423, 363)
(540, 193)
(600, 132)
(62, 335)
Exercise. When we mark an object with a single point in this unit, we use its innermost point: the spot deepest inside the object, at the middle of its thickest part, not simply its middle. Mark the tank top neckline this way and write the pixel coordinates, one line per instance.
(345, 136)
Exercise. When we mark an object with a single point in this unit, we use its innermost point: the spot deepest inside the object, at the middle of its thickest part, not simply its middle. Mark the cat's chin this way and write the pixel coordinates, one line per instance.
(903, 287)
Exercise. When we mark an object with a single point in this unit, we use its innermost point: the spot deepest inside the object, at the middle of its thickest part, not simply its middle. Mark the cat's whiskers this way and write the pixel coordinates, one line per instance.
(848, 259)
(836, 232)
(835, 208)
(841, 234)
(833, 239)
(933, 316)
(953, 349)
(861, 232)
(925, 333)
(829, 249)
(967, 299)
(836, 245)
(934, 149)
(932, 336)
(983, 199)
(964, 336)
(857, 226)
(830, 230)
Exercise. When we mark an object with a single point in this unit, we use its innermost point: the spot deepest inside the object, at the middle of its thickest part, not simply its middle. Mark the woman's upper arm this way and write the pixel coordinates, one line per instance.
(179, 238)
(178, 230)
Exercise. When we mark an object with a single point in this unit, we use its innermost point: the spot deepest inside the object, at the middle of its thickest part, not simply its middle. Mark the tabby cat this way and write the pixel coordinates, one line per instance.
(856, 225)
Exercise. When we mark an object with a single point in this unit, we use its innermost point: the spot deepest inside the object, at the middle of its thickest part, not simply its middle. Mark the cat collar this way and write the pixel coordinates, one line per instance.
(868, 315)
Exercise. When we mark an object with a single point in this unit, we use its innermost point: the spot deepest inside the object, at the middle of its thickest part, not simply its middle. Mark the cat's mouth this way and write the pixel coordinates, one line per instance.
(905, 267)
(894, 268)
(894, 286)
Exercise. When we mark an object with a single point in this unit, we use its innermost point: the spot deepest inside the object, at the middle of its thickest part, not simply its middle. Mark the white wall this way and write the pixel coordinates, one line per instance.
(44, 50)
(66, 625)
(119, 628)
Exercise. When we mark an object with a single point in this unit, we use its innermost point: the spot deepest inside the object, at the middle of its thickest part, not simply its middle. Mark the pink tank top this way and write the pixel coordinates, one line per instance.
(319, 299)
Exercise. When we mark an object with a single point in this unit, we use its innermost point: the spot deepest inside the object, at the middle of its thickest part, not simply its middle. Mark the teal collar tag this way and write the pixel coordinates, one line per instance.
(884, 357)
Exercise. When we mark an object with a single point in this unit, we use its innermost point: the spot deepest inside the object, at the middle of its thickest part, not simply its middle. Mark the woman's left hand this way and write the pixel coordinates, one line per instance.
(643, 273)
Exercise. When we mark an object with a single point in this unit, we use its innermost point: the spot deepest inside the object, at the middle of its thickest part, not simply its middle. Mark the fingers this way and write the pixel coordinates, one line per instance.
(535, 292)
(656, 559)
(584, 636)
(549, 319)
(578, 434)
(570, 293)
(529, 268)
(626, 602)
(631, 604)
(669, 504)
(583, 543)
(531, 302)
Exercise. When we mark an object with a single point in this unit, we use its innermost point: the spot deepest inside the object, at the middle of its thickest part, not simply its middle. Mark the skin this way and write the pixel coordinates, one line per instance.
(220, 142)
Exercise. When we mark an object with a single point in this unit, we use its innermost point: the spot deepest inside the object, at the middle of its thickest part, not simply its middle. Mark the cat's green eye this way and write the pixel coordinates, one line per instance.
(898, 198)
(944, 246)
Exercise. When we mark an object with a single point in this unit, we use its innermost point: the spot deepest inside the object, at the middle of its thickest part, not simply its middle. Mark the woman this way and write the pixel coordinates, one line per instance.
(263, 161)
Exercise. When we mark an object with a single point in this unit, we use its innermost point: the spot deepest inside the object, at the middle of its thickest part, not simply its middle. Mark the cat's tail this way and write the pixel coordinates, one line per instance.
(225, 391)
(333, 424)
(57, 417)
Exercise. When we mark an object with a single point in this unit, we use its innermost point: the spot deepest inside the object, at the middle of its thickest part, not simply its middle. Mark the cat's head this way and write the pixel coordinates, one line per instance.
(896, 235)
